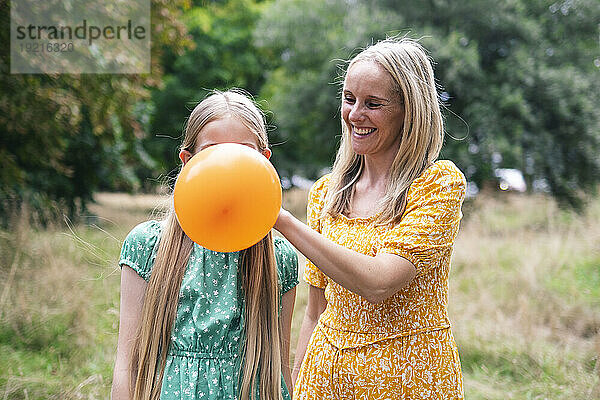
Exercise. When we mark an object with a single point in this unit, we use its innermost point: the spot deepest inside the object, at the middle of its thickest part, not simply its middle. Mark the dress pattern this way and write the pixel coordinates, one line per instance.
(401, 348)
(203, 359)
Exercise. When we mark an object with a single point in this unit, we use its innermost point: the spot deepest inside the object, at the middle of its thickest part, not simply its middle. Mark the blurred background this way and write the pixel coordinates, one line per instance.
(83, 158)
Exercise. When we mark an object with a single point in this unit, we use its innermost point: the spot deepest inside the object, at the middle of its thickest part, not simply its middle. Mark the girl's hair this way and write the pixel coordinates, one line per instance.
(261, 353)
(421, 135)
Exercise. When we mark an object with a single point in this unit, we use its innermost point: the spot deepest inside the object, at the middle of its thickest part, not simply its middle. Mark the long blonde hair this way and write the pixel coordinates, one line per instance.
(261, 352)
(422, 133)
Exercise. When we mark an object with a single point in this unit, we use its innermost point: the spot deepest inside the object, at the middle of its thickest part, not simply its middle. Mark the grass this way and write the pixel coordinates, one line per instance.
(524, 299)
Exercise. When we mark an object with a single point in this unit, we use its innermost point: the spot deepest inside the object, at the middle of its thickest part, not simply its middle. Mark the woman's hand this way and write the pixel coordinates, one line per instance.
(282, 219)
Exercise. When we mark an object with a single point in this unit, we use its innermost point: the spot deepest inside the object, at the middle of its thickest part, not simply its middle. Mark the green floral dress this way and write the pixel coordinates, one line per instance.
(203, 358)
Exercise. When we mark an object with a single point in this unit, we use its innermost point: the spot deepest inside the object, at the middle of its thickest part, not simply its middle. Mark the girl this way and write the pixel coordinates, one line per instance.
(199, 324)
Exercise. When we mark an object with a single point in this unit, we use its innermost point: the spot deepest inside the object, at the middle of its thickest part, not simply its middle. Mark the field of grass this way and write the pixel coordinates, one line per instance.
(524, 299)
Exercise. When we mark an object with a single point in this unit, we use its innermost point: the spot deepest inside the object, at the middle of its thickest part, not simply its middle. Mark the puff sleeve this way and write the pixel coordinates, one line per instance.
(287, 264)
(316, 200)
(139, 248)
(427, 231)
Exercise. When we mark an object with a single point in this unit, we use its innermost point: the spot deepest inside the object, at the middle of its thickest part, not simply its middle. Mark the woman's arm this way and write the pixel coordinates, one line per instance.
(288, 300)
(133, 288)
(315, 307)
(374, 278)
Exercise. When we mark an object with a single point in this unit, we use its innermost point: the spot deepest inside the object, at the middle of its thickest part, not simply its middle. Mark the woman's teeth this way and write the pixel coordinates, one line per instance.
(364, 131)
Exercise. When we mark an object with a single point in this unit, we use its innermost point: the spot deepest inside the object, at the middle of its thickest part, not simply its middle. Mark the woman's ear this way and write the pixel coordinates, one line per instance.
(267, 153)
(185, 156)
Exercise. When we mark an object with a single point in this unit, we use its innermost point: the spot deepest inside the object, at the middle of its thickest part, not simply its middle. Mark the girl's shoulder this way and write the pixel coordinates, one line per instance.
(139, 248)
(145, 230)
(287, 263)
(284, 249)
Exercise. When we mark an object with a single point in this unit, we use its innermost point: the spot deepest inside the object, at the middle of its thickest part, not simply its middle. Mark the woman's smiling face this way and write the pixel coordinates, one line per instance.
(372, 110)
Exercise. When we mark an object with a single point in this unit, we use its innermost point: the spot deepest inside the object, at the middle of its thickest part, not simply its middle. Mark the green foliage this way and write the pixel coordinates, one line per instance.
(518, 80)
(223, 57)
(312, 40)
(66, 136)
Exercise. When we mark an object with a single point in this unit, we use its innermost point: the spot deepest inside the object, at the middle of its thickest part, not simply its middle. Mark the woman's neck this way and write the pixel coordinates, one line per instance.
(375, 173)
(369, 189)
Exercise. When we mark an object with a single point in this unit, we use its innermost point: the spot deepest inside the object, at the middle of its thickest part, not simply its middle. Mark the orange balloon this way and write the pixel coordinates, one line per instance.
(227, 197)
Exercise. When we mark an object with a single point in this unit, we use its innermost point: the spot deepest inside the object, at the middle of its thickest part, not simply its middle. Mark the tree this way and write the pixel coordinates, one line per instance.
(65, 136)
(312, 39)
(518, 80)
(223, 57)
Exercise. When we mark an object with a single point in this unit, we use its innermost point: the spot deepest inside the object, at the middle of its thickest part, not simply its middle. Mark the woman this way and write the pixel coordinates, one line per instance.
(200, 324)
(380, 234)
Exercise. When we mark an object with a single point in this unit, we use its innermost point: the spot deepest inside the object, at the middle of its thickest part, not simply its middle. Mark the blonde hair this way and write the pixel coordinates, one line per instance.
(261, 352)
(422, 132)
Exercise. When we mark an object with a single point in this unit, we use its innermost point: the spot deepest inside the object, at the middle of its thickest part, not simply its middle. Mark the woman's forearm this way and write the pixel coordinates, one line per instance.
(374, 278)
(306, 330)
(315, 306)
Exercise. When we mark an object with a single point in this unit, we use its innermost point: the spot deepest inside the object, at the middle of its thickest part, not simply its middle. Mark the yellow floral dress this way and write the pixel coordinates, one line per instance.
(401, 348)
